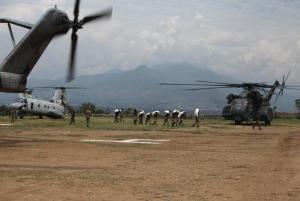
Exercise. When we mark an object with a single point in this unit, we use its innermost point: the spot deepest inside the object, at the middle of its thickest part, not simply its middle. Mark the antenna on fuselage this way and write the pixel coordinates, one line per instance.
(55, 6)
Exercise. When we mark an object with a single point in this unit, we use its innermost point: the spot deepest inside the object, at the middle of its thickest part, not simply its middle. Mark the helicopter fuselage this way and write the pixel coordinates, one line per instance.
(242, 109)
(18, 64)
(39, 107)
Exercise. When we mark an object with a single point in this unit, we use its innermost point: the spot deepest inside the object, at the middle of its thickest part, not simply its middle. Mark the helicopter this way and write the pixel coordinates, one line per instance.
(16, 67)
(54, 108)
(254, 99)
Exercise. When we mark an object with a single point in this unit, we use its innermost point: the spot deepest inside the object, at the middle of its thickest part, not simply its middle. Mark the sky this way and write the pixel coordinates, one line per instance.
(251, 40)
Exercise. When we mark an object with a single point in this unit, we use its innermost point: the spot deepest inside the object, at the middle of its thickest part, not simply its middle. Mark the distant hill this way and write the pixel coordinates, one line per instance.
(139, 88)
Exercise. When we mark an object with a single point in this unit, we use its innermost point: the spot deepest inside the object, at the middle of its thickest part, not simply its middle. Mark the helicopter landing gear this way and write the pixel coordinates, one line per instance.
(267, 123)
(237, 122)
(40, 117)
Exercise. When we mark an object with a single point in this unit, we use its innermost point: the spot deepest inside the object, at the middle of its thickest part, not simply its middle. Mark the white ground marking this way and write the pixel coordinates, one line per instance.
(5, 124)
(130, 141)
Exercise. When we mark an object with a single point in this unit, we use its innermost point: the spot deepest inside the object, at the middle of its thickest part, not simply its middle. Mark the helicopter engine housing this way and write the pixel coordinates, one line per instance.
(12, 82)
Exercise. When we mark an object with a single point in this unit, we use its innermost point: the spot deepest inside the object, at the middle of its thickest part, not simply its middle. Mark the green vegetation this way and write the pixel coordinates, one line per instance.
(106, 123)
(4, 110)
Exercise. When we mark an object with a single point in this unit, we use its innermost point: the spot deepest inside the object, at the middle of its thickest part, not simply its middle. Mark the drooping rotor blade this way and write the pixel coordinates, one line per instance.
(180, 84)
(204, 81)
(204, 84)
(55, 87)
(292, 88)
(71, 70)
(207, 88)
(104, 14)
(76, 10)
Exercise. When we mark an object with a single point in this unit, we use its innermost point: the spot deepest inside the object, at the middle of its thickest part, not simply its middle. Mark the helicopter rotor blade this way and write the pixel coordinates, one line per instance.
(71, 68)
(76, 25)
(287, 77)
(292, 88)
(277, 97)
(57, 87)
(206, 88)
(76, 10)
(211, 82)
(104, 14)
(204, 84)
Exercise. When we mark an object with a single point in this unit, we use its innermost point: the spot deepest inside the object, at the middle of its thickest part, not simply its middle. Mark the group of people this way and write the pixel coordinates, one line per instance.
(171, 118)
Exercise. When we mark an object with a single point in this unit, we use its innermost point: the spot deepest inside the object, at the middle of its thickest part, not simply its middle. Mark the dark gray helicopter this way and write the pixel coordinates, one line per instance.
(16, 67)
(253, 100)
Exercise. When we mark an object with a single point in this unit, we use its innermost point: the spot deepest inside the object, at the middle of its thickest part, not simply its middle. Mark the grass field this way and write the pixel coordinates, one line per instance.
(44, 159)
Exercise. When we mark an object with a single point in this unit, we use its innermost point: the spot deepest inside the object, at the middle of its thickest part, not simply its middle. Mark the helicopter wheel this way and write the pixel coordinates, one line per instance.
(40, 117)
(237, 122)
(267, 123)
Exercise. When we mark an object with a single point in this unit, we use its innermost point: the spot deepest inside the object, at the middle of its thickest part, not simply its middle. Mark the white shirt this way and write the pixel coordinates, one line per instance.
(196, 113)
(181, 114)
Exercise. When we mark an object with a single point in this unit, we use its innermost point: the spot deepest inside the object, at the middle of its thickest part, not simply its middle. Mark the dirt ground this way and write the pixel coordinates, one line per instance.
(213, 162)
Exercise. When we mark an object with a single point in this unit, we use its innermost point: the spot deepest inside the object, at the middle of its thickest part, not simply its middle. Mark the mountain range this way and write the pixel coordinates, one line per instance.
(139, 88)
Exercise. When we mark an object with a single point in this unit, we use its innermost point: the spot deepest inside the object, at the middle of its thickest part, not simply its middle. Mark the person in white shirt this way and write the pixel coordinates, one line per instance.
(175, 114)
(141, 117)
(196, 117)
(181, 116)
(166, 117)
(148, 118)
(155, 115)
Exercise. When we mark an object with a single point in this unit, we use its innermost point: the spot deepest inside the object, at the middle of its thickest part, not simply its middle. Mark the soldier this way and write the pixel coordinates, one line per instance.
(141, 115)
(181, 116)
(155, 115)
(72, 121)
(12, 114)
(135, 116)
(121, 118)
(148, 118)
(166, 117)
(196, 117)
(88, 114)
(117, 113)
(175, 114)
(257, 101)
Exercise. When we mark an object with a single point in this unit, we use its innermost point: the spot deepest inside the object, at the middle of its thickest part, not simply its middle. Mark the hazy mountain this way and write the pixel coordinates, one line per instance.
(140, 88)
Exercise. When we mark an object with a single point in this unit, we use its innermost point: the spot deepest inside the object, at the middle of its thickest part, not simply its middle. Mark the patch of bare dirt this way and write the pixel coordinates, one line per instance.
(210, 164)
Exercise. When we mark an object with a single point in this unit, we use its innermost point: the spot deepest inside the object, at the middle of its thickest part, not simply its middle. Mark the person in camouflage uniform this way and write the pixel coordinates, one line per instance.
(88, 115)
(135, 116)
(148, 118)
(117, 114)
(166, 117)
(181, 116)
(155, 115)
(257, 101)
(175, 114)
(72, 121)
(141, 117)
(12, 114)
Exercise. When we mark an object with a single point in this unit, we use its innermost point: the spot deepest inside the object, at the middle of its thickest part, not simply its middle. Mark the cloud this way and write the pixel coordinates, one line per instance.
(245, 39)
